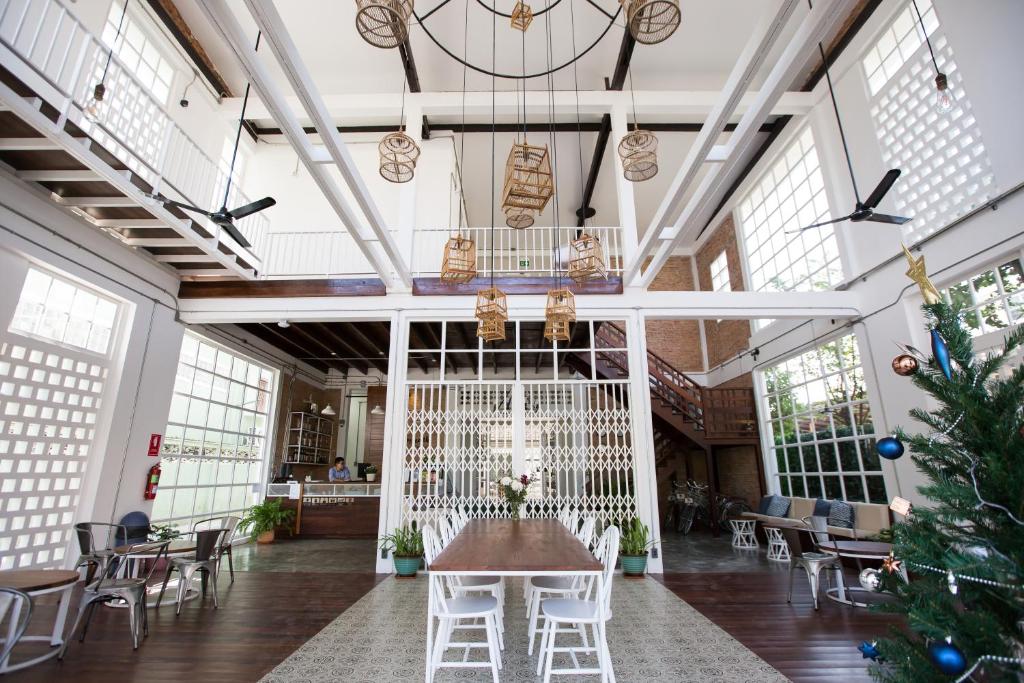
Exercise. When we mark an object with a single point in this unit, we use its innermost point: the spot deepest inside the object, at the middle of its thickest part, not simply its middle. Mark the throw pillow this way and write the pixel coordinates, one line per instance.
(822, 507)
(841, 515)
(778, 507)
(762, 507)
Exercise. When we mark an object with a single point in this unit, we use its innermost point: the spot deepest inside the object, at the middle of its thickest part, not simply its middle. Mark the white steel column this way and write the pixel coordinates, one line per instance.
(407, 193)
(392, 470)
(623, 187)
(644, 474)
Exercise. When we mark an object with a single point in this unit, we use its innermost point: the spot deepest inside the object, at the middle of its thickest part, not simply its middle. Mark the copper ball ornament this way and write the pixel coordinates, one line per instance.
(904, 365)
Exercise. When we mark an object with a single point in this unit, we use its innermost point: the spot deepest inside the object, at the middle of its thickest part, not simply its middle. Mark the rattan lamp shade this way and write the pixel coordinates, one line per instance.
(491, 330)
(398, 155)
(522, 15)
(517, 218)
(556, 330)
(561, 305)
(586, 259)
(652, 21)
(459, 262)
(638, 151)
(491, 304)
(528, 180)
(383, 23)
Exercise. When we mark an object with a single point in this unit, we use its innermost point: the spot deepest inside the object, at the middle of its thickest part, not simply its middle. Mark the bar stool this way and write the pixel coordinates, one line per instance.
(743, 533)
(778, 549)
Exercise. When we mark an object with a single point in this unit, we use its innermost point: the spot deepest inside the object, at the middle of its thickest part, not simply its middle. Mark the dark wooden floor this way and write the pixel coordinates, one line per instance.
(803, 644)
(264, 617)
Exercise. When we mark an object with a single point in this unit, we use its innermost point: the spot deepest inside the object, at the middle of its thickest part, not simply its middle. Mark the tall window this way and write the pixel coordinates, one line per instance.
(139, 52)
(789, 196)
(720, 273)
(819, 428)
(946, 169)
(53, 372)
(214, 449)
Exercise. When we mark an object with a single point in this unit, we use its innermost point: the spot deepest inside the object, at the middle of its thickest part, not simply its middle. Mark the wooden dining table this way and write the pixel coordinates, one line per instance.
(36, 582)
(506, 547)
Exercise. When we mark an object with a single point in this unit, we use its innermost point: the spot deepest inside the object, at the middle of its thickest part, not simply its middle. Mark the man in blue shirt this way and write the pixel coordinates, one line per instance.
(339, 472)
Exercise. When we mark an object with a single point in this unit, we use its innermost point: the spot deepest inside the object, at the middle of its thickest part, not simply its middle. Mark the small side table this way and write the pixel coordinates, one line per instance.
(38, 582)
(778, 549)
(743, 533)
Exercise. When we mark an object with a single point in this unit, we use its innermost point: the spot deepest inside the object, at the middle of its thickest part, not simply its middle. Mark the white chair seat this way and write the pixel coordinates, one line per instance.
(554, 583)
(567, 610)
(469, 607)
(480, 582)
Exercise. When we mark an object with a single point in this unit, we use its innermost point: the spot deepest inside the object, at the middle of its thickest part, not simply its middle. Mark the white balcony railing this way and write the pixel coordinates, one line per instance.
(526, 253)
(132, 125)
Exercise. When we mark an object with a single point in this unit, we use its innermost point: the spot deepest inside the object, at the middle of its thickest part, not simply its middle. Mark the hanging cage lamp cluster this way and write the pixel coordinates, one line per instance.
(586, 259)
(638, 151)
(652, 21)
(559, 313)
(522, 15)
(491, 314)
(383, 23)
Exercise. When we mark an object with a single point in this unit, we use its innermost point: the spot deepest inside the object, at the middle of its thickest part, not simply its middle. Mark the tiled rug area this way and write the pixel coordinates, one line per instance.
(654, 637)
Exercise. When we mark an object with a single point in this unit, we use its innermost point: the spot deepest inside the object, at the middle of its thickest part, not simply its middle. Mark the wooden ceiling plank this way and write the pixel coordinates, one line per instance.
(350, 350)
(300, 330)
(303, 354)
(374, 353)
(260, 331)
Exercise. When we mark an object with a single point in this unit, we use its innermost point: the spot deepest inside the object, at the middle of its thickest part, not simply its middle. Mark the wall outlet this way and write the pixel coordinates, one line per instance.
(654, 553)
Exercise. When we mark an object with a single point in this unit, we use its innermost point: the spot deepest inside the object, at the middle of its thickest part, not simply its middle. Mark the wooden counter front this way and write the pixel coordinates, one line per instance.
(353, 517)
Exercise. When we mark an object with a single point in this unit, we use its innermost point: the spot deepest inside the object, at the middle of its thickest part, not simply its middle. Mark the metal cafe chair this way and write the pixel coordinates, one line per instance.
(97, 556)
(229, 523)
(811, 562)
(15, 612)
(129, 589)
(205, 561)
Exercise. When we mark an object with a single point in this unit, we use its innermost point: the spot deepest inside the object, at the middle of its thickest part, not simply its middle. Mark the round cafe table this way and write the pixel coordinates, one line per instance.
(177, 548)
(38, 582)
(858, 550)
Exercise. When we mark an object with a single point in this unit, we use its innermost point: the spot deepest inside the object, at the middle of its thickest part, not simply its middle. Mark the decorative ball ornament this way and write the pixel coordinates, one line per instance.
(398, 155)
(889, 447)
(871, 580)
(383, 23)
(947, 657)
(941, 353)
(652, 21)
(904, 365)
(869, 650)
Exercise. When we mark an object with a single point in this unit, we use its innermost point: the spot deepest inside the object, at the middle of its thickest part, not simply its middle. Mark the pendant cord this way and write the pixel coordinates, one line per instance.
(924, 32)
(117, 35)
(462, 136)
(238, 132)
(554, 156)
(579, 125)
(401, 111)
(632, 96)
(494, 132)
(524, 87)
(839, 122)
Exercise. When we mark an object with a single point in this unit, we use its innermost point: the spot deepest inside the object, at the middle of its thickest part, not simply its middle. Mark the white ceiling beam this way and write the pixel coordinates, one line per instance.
(94, 202)
(223, 20)
(287, 53)
(131, 223)
(385, 106)
(27, 144)
(754, 54)
(157, 242)
(183, 258)
(667, 305)
(822, 18)
(84, 175)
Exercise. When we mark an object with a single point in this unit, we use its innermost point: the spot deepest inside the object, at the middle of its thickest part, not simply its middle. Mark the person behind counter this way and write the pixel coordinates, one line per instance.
(339, 472)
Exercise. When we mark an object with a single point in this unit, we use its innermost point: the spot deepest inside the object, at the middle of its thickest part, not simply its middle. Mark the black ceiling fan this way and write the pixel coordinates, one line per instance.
(863, 210)
(224, 217)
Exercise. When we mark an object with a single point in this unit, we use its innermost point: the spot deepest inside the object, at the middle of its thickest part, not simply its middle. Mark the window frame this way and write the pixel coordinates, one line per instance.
(152, 37)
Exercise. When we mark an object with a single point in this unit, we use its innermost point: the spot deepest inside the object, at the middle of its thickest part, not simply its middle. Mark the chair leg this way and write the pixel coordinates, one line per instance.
(812, 577)
(550, 627)
(532, 616)
(789, 596)
(490, 625)
(185, 575)
(213, 588)
(88, 619)
(231, 565)
(544, 634)
(167, 577)
(82, 606)
(133, 615)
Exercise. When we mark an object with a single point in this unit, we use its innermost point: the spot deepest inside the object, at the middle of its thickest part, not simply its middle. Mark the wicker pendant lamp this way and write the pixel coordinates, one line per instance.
(522, 16)
(638, 149)
(517, 218)
(559, 312)
(383, 23)
(458, 264)
(651, 21)
(398, 152)
(586, 259)
(529, 183)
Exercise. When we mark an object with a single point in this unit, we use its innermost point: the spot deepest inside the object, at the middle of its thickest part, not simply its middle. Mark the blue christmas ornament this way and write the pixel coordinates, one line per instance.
(947, 657)
(869, 650)
(941, 353)
(889, 448)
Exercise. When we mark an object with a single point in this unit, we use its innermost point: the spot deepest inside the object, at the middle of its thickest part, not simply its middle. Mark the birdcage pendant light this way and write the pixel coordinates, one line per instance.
(586, 259)
(491, 314)
(638, 151)
(398, 156)
(383, 23)
(559, 312)
(522, 16)
(459, 261)
(528, 180)
(651, 21)
(517, 218)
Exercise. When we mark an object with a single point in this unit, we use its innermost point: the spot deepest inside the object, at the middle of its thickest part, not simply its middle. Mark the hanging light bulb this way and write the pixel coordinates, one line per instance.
(944, 99)
(94, 108)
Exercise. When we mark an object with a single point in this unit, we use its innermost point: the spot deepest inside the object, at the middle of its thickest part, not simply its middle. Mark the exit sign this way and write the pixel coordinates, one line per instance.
(524, 262)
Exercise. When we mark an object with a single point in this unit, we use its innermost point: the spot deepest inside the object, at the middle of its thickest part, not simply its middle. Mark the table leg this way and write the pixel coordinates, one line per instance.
(12, 628)
(57, 638)
(841, 583)
(428, 672)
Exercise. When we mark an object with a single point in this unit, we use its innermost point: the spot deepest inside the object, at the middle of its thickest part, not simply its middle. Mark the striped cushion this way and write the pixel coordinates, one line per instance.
(841, 514)
(778, 507)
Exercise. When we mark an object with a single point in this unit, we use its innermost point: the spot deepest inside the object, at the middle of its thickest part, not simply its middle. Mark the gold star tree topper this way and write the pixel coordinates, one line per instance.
(919, 274)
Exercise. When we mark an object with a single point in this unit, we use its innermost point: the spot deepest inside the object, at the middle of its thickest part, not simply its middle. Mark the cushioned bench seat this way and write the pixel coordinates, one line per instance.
(868, 518)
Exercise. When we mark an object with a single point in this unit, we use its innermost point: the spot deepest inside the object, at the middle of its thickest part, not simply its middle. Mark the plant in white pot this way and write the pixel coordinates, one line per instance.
(371, 473)
(261, 520)
(406, 547)
(633, 546)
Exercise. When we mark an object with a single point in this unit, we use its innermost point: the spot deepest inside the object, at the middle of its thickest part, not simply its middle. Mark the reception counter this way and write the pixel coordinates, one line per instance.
(336, 510)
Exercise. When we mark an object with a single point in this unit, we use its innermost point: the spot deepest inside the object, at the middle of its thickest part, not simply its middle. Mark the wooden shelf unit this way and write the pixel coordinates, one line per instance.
(310, 439)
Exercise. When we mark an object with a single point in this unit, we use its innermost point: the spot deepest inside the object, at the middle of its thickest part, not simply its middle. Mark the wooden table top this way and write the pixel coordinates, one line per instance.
(782, 523)
(858, 547)
(528, 545)
(178, 546)
(31, 580)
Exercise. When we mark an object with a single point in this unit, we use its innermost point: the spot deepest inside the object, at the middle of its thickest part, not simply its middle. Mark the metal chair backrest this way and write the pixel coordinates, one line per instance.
(792, 537)
(150, 550)
(87, 541)
(15, 612)
(208, 544)
(819, 526)
(226, 522)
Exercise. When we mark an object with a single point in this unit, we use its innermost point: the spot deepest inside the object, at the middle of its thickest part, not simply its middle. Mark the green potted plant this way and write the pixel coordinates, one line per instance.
(633, 546)
(371, 473)
(406, 547)
(261, 520)
(163, 532)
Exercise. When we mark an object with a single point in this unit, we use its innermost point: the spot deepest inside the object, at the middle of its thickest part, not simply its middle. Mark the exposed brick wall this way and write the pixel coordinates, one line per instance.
(744, 380)
(677, 341)
(726, 338)
(737, 472)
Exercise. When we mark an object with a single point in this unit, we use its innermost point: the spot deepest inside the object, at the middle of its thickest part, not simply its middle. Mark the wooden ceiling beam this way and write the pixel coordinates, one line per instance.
(362, 356)
(300, 330)
(304, 353)
(375, 354)
(262, 331)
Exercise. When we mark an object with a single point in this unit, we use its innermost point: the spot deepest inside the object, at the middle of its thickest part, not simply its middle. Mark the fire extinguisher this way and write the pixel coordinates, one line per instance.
(152, 479)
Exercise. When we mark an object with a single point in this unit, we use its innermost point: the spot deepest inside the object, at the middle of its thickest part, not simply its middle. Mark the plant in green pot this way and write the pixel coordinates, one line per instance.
(261, 520)
(633, 546)
(406, 547)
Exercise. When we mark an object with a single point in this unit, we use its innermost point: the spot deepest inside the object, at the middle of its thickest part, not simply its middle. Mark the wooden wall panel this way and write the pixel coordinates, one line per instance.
(374, 449)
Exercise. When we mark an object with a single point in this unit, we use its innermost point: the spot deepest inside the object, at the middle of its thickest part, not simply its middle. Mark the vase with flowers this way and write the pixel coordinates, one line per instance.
(514, 491)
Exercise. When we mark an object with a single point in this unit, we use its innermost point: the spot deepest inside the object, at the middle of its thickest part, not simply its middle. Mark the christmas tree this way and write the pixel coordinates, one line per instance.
(964, 550)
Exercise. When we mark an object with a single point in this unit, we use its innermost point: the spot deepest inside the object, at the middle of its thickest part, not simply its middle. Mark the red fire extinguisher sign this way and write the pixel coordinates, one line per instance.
(152, 481)
(154, 444)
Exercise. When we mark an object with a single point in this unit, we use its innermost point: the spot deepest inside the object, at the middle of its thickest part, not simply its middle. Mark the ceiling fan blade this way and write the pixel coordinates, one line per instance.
(258, 205)
(180, 205)
(230, 229)
(818, 225)
(885, 218)
(883, 188)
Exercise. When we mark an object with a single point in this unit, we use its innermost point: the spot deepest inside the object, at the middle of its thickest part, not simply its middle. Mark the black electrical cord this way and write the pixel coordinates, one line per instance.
(238, 132)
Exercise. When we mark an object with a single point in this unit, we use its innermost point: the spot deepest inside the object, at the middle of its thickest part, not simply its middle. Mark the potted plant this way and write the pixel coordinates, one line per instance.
(406, 547)
(371, 473)
(514, 491)
(163, 532)
(261, 520)
(633, 545)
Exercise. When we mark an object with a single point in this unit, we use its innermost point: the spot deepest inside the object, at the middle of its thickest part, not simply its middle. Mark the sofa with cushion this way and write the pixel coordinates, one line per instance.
(845, 520)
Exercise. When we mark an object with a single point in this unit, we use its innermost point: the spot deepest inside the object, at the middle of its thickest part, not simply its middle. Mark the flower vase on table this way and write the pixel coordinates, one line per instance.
(514, 491)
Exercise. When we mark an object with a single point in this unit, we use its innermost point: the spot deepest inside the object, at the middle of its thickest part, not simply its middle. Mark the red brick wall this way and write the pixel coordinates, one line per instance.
(677, 341)
(737, 472)
(726, 338)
